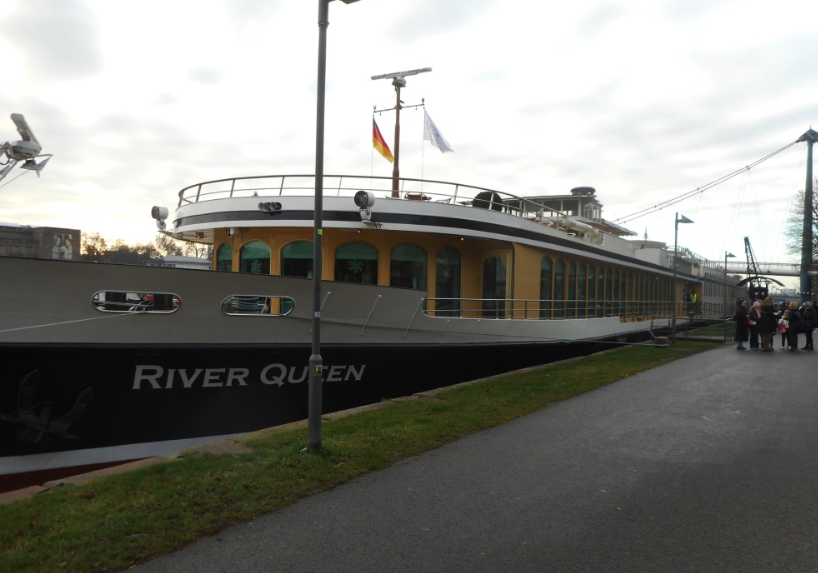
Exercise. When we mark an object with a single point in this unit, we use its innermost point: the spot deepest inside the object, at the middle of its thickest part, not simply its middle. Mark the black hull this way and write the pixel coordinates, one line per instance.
(121, 413)
(152, 394)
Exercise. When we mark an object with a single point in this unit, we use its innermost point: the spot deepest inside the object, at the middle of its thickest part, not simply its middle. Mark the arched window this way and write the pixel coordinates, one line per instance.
(600, 291)
(582, 290)
(559, 288)
(572, 289)
(356, 263)
(591, 291)
(617, 293)
(546, 283)
(609, 296)
(407, 267)
(627, 292)
(224, 258)
(447, 282)
(296, 259)
(255, 258)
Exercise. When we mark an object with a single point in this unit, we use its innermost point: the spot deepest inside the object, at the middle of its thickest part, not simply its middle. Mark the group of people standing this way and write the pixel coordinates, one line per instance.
(763, 320)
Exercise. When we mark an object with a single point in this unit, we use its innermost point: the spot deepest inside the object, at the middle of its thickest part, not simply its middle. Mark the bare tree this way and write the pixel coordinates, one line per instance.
(93, 245)
(794, 231)
(166, 245)
(198, 250)
(136, 254)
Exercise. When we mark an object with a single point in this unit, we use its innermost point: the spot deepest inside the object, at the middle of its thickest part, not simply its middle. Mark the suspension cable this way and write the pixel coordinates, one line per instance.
(702, 189)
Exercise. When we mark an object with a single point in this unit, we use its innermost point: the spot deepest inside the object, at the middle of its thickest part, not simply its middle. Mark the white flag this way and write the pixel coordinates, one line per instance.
(432, 133)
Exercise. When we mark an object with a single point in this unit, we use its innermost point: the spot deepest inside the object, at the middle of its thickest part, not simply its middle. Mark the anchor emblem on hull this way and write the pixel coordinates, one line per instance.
(34, 422)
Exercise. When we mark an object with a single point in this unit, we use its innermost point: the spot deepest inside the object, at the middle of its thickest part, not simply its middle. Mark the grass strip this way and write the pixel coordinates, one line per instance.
(115, 522)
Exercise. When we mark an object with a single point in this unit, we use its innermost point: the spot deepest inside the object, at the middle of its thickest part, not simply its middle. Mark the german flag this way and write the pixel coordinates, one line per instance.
(379, 143)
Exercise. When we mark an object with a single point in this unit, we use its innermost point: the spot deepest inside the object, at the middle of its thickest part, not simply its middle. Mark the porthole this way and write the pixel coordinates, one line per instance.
(134, 301)
(257, 305)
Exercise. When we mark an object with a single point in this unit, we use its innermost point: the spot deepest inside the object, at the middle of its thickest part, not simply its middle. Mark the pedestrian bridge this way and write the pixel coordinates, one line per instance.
(771, 269)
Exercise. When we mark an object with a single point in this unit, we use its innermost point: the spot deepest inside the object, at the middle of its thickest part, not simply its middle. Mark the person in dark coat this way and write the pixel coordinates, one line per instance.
(809, 320)
(793, 327)
(742, 326)
(767, 325)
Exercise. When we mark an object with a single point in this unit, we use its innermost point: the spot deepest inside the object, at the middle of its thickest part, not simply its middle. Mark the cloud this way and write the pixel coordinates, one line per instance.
(429, 17)
(56, 40)
(599, 18)
(206, 75)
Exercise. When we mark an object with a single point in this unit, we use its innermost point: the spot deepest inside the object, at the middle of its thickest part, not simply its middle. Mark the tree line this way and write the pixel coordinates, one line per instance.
(96, 248)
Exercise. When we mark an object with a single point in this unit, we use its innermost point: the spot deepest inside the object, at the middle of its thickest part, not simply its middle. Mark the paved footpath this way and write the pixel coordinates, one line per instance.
(708, 464)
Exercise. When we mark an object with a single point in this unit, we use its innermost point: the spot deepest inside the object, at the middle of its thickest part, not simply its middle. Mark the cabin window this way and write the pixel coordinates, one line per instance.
(559, 288)
(609, 293)
(256, 305)
(123, 301)
(627, 292)
(600, 291)
(224, 258)
(591, 291)
(255, 258)
(356, 263)
(495, 283)
(407, 267)
(616, 298)
(296, 259)
(546, 283)
(447, 282)
(572, 289)
(582, 290)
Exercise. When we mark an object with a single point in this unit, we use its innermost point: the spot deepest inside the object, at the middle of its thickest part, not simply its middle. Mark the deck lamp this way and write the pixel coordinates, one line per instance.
(681, 219)
(316, 364)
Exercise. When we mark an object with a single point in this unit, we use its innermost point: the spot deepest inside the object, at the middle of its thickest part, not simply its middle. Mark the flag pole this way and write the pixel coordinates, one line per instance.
(399, 81)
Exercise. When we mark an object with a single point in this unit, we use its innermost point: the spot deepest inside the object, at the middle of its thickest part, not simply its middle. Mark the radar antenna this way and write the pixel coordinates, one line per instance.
(26, 151)
(399, 81)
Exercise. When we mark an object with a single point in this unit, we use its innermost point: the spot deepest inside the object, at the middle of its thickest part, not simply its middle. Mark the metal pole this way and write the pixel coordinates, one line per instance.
(810, 137)
(396, 163)
(316, 364)
(724, 311)
(675, 254)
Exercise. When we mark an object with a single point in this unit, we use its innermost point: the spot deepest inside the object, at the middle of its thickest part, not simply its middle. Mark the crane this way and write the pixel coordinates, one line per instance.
(758, 286)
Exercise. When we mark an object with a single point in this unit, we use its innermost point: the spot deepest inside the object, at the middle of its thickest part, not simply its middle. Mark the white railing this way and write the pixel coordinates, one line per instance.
(532, 309)
(348, 185)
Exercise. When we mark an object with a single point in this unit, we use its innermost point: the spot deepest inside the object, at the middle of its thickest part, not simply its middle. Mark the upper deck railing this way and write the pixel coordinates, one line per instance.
(410, 189)
(348, 185)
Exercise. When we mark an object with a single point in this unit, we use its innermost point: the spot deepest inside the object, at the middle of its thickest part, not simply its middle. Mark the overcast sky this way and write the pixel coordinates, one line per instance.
(643, 100)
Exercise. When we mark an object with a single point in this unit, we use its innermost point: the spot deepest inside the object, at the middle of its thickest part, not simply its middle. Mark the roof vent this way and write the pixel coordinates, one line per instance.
(583, 191)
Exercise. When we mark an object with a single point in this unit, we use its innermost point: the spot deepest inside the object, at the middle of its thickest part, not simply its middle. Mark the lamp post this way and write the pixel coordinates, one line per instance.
(316, 364)
(678, 220)
(727, 255)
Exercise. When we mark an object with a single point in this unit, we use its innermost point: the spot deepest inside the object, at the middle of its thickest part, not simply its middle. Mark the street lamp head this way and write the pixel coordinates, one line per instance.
(347, 1)
(683, 219)
(729, 255)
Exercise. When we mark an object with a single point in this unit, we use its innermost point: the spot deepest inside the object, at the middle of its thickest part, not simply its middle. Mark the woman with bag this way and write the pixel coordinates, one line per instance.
(782, 327)
(742, 326)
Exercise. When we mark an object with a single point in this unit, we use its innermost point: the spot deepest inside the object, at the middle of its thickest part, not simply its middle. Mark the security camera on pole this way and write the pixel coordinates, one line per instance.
(26, 150)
